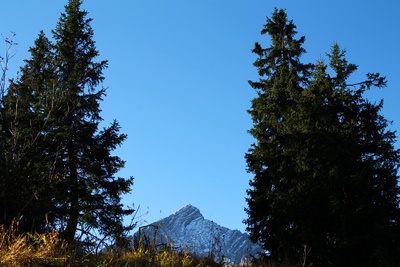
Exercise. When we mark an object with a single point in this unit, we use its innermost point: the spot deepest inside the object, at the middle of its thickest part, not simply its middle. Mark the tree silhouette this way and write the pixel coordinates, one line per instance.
(325, 187)
(63, 171)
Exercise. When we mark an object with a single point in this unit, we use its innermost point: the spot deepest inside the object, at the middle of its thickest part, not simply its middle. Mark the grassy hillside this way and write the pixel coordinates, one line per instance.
(48, 250)
(17, 250)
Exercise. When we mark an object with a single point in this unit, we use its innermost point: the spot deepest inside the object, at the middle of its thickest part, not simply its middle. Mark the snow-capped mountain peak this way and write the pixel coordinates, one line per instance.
(188, 230)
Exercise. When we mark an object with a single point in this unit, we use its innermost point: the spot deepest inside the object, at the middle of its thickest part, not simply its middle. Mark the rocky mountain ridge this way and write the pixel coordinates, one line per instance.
(188, 230)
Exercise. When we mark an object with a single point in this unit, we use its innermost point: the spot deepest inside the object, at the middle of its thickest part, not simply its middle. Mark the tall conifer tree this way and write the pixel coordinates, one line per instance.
(92, 194)
(58, 95)
(283, 80)
(325, 187)
(28, 111)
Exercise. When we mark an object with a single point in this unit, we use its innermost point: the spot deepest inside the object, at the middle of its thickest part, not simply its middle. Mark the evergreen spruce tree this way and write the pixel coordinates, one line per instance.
(92, 195)
(325, 187)
(28, 108)
(284, 78)
(64, 160)
(4, 62)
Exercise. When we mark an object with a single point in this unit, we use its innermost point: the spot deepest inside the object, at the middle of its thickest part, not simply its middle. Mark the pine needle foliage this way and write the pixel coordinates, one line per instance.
(58, 167)
(325, 188)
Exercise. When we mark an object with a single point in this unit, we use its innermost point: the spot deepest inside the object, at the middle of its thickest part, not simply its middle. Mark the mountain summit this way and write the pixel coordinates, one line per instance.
(188, 230)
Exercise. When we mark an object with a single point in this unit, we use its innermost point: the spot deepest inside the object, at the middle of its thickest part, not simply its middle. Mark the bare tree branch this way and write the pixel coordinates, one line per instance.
(4, 61)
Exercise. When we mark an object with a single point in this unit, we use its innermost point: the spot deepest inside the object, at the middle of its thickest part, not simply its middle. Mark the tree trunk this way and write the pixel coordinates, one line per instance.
(70, 230)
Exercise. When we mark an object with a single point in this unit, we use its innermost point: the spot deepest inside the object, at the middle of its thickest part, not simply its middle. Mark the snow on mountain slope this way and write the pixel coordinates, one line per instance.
(187, 229)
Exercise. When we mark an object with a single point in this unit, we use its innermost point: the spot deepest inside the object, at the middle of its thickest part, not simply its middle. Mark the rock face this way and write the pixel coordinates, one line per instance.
(188, 230)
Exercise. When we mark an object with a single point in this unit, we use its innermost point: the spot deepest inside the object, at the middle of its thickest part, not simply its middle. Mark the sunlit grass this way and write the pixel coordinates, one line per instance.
(31, 249)
(47, 249)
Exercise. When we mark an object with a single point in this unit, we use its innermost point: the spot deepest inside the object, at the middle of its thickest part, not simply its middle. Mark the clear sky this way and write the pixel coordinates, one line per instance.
(177, 80)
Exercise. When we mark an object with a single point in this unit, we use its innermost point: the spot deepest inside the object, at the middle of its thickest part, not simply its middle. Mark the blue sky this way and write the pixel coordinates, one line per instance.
(177, 80)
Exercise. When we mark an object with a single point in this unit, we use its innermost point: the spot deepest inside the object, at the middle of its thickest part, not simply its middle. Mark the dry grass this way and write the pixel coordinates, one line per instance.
(30, 249)
(20, 250)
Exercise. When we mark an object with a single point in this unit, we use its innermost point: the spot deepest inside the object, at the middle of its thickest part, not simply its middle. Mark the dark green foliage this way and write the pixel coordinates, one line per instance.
(325, 187)
(60, 167)
(28, 106)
